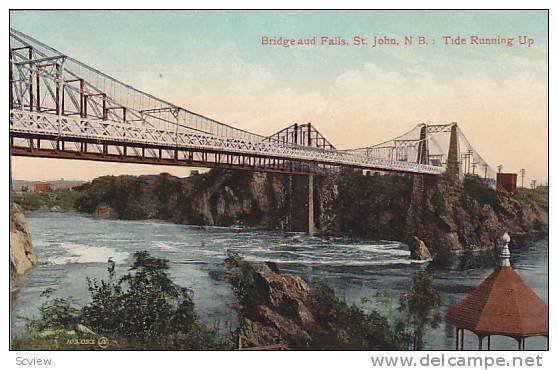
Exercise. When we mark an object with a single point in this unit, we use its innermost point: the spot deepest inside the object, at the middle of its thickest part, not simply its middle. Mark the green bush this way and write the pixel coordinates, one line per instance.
(33, 201)
(420, 307)
(343, 327)
(143, 309)
(241, 276)
(56, 314)
(477, 189)
(145, 304)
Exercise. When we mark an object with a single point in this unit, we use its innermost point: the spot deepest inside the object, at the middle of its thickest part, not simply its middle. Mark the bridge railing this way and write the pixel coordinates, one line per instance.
(23, 121)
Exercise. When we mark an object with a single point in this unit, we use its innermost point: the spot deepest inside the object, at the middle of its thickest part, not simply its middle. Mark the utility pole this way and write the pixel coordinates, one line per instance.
(500, 168)
(466, 162)
(533, 184)
(522, 172)
(471, 159)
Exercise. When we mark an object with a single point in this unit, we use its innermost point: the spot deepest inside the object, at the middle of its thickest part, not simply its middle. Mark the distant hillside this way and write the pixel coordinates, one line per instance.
(19, 185)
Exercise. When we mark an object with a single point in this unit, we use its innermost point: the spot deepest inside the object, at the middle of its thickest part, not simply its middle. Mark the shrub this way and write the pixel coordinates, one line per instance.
(241, 275)
(420, 307)
(143, 309)
(477, 189)
(340, 326)
(56, 314)
(32, 201)
(144, 304)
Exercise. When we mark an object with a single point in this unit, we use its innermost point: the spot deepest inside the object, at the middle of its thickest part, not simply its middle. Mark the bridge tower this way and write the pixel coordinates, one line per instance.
(422, 155)
(452, 166)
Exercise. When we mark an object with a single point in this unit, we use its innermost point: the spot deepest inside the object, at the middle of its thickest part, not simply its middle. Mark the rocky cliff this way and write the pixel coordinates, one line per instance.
(441, 214)
(279, 313)
(278, 310)
(218, 198)
(22, 255)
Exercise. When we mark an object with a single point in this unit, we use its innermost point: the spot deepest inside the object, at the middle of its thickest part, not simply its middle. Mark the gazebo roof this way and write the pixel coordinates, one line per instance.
(502, 304)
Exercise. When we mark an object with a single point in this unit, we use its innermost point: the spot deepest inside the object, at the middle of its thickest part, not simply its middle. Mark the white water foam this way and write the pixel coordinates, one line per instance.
(390, 249)
(81, 253)
(421, 261)
(372, 262)
(164, 246)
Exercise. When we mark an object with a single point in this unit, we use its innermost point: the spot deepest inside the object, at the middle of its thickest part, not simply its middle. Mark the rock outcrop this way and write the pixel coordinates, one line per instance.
(22, 255)
(447, 215)
(280, 314)
(217, 198)
(105, 211)
(419, 251)
(284, 311)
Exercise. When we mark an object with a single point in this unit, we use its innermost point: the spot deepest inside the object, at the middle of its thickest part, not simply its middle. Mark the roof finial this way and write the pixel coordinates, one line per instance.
(505, 252)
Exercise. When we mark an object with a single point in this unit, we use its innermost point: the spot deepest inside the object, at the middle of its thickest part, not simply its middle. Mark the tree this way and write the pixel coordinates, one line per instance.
(144, 309)
(340, 326)
(241, 275)
(420, 308)
(144, 303)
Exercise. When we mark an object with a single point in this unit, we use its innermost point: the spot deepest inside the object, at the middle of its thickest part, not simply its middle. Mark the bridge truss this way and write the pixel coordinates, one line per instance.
(62, 108)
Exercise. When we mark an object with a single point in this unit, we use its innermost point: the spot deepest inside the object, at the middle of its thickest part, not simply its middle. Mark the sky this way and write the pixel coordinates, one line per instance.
(213, 63)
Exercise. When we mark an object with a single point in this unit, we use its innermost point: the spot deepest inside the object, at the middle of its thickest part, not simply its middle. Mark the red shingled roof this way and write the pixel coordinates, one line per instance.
(502, 304)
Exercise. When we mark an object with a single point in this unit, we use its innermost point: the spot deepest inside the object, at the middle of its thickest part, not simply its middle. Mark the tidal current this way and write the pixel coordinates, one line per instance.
(73, 246)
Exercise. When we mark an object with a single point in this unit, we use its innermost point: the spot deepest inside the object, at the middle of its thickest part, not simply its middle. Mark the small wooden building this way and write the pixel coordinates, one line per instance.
(506, 183)
(43, 187)
(503, 304)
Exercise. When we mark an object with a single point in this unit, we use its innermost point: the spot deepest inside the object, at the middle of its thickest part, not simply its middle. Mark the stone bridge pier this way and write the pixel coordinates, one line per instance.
(302, 201)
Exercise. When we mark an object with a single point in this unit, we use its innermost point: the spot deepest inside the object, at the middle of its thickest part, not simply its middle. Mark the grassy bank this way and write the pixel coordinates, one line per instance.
(62, 200)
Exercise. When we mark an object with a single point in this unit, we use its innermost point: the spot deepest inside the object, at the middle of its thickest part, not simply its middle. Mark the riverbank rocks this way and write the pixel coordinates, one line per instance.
(105, 211)
(22, 254)
(56, 209)
(280, 314)
(419, 251)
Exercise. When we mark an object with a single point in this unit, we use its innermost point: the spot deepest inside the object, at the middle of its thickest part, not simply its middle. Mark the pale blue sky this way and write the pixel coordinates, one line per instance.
(143, 40)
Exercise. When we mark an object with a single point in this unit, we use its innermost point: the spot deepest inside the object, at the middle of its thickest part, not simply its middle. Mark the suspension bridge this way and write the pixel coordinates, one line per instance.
(63, 108)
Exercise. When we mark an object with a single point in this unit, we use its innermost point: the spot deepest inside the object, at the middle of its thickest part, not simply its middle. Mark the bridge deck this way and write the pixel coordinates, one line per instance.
(106, 140)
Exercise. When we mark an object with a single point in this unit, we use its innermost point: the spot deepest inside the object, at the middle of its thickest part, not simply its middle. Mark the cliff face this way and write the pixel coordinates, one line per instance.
(446, 215)
(220, 198)
(284, 311)
(22, 255)
(280, 313)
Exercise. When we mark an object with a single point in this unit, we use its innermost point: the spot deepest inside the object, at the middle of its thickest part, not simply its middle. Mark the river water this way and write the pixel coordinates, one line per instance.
(72, 246)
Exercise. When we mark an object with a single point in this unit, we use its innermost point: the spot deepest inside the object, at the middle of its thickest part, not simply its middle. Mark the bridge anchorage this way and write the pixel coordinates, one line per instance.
(63, 108)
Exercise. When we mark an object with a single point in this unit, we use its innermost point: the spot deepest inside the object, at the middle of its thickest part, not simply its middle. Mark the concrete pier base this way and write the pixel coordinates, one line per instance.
(311, 225)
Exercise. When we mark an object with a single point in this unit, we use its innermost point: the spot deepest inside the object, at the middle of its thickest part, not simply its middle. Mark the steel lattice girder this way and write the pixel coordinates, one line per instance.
(25, 122)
